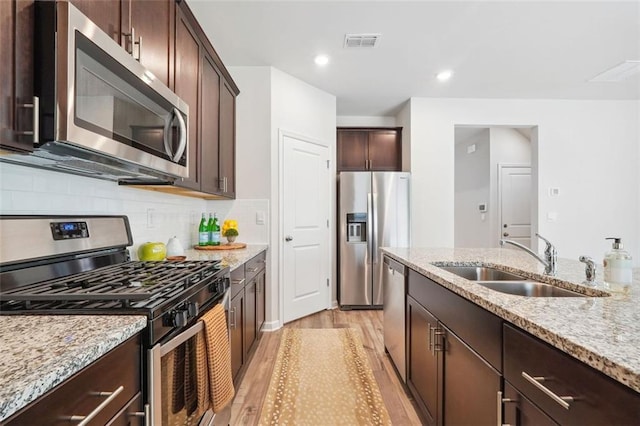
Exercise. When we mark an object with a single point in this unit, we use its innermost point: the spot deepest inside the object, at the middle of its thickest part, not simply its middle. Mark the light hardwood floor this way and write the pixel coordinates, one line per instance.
(245, 409)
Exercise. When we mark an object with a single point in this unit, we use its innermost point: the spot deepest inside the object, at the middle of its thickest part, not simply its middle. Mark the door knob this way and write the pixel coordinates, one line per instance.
(505, 234)
(288, 238)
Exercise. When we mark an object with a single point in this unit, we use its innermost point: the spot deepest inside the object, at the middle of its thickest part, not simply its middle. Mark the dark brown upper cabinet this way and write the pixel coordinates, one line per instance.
(204, 83)
(369, 149)
(16, 75)
(144, 28)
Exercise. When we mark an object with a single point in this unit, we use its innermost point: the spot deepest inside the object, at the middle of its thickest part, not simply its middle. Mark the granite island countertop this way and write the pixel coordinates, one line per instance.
(231, 258)
(603, 332)
(41, 351)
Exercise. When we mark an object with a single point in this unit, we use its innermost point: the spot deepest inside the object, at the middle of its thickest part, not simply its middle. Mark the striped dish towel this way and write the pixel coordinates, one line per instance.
(219, 358)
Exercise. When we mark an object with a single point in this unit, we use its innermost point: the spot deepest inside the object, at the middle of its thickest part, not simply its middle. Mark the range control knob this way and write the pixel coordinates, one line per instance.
(180, 318)
(193, 309)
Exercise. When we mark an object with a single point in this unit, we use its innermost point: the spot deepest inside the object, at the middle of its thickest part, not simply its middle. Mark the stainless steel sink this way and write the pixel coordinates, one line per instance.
(529, 289)
(506, 282)
(482, 273)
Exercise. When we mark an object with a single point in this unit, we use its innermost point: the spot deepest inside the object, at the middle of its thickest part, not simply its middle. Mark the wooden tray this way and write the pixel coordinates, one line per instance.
(228, 246)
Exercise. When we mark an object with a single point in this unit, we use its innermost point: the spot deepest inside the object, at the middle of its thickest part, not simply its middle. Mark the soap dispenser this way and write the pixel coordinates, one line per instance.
(617, 267)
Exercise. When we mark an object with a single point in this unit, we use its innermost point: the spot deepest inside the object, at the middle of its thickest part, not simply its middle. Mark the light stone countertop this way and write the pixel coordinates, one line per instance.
(39, 352)
(231, 258)
(603, 332)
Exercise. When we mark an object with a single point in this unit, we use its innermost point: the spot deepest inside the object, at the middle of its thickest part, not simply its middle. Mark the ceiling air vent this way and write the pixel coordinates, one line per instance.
(361, 40)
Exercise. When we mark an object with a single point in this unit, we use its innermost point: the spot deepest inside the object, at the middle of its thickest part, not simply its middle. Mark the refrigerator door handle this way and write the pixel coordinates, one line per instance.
(374, 225)
(369, 228)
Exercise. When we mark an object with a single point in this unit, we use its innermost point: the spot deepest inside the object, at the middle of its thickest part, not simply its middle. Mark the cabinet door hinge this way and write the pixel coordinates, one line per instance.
(328, 161)
(327, 282)
(327, 223)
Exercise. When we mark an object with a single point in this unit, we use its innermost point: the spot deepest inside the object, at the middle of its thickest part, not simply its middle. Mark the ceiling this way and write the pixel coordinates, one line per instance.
(496, 49)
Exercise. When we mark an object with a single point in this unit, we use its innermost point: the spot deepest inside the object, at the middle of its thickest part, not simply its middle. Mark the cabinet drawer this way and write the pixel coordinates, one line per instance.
(253, 266)
(478, 328)
(598, 399)
(237, 280)
(77, 395)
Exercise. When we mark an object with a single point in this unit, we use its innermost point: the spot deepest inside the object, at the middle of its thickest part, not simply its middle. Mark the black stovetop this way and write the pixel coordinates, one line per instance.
(130, 285)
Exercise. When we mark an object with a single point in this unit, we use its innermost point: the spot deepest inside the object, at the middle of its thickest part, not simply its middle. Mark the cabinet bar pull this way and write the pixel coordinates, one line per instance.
(84, 420)
(501, 401)
(563, 401)
(237, 282)
(35, 106)
(431, 338)
(233, 323)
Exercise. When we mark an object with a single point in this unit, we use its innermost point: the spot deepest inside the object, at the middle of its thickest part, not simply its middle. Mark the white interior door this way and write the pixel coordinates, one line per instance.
(306, 210)
(515, 204)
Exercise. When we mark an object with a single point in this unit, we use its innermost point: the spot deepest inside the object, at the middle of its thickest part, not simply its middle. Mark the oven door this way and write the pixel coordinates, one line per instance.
(178, 378)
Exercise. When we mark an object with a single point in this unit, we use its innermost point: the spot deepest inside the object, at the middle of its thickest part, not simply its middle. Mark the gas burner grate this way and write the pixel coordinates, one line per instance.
(130, 283)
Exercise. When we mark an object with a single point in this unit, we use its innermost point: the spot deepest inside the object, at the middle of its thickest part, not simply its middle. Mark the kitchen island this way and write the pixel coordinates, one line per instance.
(511, 358)
(601, 331)
(40, 352)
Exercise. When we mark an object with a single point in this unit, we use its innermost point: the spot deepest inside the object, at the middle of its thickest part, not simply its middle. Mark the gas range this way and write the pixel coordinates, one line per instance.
(80, 265)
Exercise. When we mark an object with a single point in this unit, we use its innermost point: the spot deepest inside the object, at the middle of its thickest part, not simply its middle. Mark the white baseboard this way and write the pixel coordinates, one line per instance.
(334, 304)
(271, 326)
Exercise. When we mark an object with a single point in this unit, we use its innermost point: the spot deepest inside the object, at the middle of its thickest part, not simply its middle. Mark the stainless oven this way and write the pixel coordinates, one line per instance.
(98, 111)
(178, 388)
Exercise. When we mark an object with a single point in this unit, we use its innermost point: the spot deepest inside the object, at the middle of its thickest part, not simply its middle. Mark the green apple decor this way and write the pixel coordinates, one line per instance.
(152, 251)
(231, 234)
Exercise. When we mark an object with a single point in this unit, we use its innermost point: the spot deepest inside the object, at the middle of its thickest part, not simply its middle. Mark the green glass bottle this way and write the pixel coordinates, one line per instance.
(210, 230)
(215, 231)
(203, 232)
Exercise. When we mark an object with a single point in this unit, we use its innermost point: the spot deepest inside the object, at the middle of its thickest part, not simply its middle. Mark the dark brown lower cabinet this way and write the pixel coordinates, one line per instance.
(260, 301)
(119, 368)
(424, 375)
(568, 391)
(471, 385)
(519, 411)
(452, 384)
(249, 317)
(236, 312)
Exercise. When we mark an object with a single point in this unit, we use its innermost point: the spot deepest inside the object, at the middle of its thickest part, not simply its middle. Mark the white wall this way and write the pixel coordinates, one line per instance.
(299, 108)
(253, 126)
(403, 120)
(588, 149)
(472, 187)
(271, 101)
(365, 121)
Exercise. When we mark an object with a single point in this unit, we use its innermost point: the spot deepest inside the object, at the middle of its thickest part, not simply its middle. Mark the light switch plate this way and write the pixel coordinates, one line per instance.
(552, 216)
(260, 218)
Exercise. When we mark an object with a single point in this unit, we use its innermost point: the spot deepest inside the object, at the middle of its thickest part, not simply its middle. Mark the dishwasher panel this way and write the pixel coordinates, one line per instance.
(394, 286)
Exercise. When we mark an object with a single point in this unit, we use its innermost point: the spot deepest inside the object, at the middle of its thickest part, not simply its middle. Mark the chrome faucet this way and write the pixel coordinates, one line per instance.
(590, 270)
(550, 260)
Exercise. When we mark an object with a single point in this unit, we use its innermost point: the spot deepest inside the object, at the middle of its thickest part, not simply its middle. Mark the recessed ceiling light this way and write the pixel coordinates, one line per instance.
(321, 60)
(444, 75)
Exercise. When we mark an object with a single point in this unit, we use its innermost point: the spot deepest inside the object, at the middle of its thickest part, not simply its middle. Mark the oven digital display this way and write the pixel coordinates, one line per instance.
(69, 230)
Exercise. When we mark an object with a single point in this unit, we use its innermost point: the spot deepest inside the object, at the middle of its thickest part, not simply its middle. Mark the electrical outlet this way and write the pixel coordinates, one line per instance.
(151, 218)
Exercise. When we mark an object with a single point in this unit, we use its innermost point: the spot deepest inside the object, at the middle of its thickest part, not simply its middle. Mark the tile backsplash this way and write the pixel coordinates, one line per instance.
(153, 216)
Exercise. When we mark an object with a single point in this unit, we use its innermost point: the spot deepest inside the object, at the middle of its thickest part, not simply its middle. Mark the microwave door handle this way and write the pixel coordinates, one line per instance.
(167, 133)
(183, 136)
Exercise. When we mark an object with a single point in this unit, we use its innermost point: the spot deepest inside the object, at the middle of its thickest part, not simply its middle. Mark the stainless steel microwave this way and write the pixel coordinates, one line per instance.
(97, 110)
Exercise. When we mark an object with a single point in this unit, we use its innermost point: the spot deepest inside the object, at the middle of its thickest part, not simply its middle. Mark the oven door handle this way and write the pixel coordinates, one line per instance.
(165, 348)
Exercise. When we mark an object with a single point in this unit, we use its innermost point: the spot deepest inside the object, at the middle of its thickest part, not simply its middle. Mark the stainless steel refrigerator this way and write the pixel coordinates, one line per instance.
(373, 212)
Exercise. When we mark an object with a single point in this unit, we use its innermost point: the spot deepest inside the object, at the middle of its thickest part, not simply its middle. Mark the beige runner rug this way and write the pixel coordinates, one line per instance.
(323, 377)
